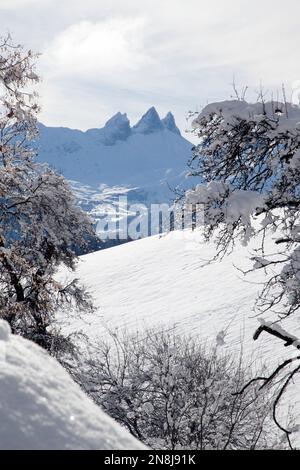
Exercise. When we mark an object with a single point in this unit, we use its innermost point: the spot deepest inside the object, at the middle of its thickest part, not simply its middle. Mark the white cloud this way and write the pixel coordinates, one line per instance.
(172, 43)
(14, 4)
(93, 51)
(127, 55)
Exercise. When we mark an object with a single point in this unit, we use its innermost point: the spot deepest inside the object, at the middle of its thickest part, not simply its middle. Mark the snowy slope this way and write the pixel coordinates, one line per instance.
(157, 282)
(143, 161)
(42, 408)
(164, 281)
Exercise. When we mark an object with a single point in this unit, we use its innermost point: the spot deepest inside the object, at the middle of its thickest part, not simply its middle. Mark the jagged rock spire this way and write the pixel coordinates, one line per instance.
(116, 128)
(170, 124)
(150, 122)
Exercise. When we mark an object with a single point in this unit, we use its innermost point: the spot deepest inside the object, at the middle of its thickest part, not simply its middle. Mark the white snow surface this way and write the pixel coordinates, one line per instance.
(42, 408)
(165, 280)
(162, 282)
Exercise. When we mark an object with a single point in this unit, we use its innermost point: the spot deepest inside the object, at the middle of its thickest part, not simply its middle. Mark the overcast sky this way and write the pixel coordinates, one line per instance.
(104, 56)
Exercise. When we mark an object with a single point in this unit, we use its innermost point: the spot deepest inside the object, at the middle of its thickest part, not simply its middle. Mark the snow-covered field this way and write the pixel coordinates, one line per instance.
(161, 281)
(165, 281)
(42, 408)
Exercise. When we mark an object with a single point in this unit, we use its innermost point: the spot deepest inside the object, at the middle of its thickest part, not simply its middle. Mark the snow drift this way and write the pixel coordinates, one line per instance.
(42, 408)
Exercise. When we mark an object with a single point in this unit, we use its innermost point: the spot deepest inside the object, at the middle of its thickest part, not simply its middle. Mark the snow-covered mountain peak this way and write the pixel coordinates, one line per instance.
(117, 128)
(119, 119)
(117, 154)
(169, 123)
(142, 164)
(150, 122)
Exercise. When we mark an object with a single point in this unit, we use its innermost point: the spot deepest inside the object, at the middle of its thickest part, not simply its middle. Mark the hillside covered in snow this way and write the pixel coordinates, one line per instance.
(165, 283)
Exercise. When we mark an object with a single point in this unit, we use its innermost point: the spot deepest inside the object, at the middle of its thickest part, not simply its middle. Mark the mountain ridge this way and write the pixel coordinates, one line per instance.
(142, 162)
(117, 154)
(117, 128)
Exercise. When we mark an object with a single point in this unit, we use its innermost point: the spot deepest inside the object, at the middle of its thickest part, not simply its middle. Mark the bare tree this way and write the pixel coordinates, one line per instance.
(172, 393)
(248, 167)
(39, 221)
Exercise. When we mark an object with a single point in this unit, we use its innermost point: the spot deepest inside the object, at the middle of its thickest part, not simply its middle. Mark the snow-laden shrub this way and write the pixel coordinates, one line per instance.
(172, 393)
(247, 164)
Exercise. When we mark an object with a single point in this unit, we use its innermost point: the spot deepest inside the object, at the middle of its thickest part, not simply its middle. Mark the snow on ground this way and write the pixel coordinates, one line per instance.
(162, 281)
(42, 408)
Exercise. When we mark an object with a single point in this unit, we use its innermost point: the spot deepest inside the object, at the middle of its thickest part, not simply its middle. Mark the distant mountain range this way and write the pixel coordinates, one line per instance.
(142, 161)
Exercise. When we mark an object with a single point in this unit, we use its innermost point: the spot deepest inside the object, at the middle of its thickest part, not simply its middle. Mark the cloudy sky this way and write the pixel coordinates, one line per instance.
(103, 56)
